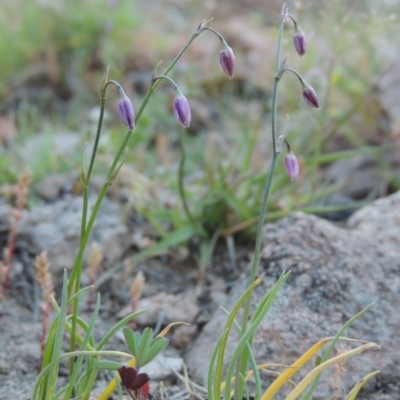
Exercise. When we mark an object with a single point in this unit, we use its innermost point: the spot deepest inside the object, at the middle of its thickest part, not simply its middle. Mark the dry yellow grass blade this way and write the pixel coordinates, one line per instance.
(317, 370)
(286, 375)
(169, 326)
(264, 367)
(259, 367)
(353, 394)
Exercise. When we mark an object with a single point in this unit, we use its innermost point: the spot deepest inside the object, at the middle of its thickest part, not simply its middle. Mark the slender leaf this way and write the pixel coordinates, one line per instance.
(117, 326)
(108, 365)
(155, 349)
(211, 375)
(322, 367)
(293, 369)
(143, 347)
(78, 363)
(262, 310)
(353, 394)
(173, 239)
(228, 326)
(58, 339)
(130, 340)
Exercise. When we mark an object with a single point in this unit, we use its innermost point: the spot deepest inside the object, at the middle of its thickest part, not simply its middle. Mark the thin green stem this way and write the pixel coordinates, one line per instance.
(160, 77)
(76, 271)
(89, 173)
(153, 88)
(242, 361)
(182, 194)
(84, 217)
(77, 268)
(293, 71)
(220, 37)
(97, 139)
(87, 229)
(89, 384)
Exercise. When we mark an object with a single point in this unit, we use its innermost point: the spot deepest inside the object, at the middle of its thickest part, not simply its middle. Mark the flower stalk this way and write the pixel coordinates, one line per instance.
(87, 226)
(311, 98)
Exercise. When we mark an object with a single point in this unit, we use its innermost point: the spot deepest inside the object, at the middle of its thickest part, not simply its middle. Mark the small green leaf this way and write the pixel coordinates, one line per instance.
(143, 347)
(130, 340)
(138, 337)
(157, 346)
(108, 365)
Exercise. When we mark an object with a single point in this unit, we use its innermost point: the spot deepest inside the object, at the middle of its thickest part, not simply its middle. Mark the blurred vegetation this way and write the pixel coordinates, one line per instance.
(55, 55)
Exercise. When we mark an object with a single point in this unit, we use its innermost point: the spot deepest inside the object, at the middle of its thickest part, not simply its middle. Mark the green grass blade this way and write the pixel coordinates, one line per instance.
(244, 384)
(58, 339)
(118, 326)
(173, 239)
(228, 326)
(47, 356)
(77, 294)
(118, 384)
(108, 365)
(262, 310)
(210, 390)
(77, 366)
(60, 392)
(252, 359)
(40, 378)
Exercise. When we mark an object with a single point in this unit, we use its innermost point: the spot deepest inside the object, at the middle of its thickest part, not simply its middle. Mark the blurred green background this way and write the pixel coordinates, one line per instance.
(54, 54)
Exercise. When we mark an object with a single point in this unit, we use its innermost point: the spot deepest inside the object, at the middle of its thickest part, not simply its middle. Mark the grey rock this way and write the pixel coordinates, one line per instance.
(162, 367)
(169, 307)
(55, 228)
(380, 222)
(335, 273)
(52, 186)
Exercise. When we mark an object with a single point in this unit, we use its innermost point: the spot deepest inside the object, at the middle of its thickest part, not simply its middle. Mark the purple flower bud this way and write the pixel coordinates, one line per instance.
(182, 110)
(227, 60)
(310, 96)
(300, 42)
(292, 165)
(125, 112)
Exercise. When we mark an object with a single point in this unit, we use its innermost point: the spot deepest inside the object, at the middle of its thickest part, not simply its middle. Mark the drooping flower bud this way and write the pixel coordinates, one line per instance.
(227, 60)
(292, 165)
(125, 108)
(300, 42)
(309, 95)
(182, 109)
(125, 112)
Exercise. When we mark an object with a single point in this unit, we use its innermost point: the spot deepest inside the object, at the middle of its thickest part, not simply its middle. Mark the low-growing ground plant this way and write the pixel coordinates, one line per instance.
(86, 356)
